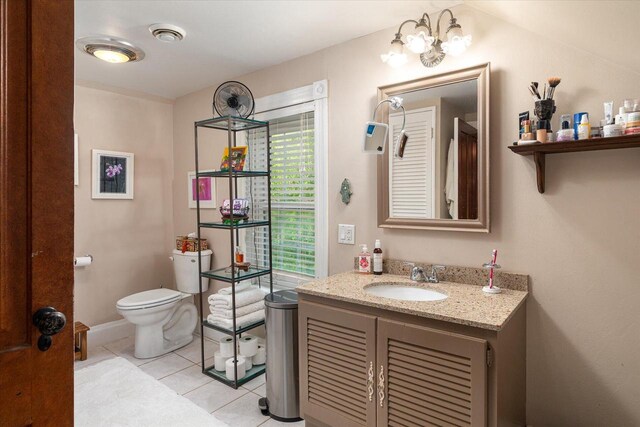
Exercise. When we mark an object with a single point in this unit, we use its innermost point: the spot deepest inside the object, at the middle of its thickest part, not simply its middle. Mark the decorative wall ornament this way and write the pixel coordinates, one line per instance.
(345, 191)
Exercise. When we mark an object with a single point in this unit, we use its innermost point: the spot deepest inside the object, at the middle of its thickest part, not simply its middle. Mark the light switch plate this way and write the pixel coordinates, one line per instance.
(347, 234)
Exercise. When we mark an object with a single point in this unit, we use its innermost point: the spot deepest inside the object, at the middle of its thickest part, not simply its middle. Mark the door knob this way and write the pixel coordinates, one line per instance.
(49, 321)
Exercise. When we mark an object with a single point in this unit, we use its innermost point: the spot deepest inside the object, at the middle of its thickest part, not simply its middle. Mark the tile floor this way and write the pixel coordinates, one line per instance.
(180, 371)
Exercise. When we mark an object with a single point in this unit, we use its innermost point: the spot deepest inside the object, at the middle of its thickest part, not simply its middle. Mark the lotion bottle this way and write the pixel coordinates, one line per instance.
(364, 260)
(584, 129)
(377, 259)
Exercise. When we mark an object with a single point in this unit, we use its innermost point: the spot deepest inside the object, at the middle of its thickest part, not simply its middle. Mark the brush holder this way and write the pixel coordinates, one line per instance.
(544, 109)
(493, 289)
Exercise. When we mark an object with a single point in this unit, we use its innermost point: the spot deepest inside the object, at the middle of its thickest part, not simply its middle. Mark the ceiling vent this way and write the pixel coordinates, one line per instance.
(167, 33)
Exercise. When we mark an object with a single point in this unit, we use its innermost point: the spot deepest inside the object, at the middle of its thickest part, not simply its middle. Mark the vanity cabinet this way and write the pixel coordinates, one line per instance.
(361, 366)
(426, 376)
(338, 348)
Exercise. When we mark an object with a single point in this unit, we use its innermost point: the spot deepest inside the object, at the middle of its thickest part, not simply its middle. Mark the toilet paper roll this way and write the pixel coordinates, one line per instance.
(83, 261)
(226, 347)
(248, 345)
(229, 364)
(248, 364)
(219, 362)
(260, 357)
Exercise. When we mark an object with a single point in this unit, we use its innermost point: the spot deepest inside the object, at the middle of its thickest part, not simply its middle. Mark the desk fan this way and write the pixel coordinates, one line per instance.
(233, 99)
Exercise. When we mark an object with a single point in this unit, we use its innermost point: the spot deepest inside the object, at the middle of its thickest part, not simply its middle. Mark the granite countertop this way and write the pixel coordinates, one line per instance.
(466, 304)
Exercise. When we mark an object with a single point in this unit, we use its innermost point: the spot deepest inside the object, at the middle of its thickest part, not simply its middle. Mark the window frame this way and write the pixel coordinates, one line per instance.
(311, 98)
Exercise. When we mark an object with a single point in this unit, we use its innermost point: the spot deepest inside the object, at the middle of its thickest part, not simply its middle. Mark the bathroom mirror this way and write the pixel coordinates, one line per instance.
(442, 182)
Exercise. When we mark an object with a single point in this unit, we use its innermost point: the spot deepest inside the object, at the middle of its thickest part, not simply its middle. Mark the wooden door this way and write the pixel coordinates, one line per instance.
(337, 364)
(428, 377)
(467, 138)
(36, 210)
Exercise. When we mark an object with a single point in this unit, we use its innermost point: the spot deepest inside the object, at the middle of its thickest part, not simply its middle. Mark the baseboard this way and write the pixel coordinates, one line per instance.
(108, 332)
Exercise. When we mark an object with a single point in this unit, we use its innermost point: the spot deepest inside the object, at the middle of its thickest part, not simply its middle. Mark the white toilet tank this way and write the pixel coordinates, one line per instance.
(185, 268)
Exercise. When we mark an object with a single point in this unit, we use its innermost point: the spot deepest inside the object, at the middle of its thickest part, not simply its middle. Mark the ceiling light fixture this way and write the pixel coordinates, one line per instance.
(167, 33)
(110, 49)
(431, 47)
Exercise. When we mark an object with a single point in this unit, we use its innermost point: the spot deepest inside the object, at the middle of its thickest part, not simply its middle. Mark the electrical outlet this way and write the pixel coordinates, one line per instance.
(347, 234)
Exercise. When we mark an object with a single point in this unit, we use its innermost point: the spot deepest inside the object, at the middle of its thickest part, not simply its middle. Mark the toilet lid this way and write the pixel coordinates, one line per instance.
(146, 299)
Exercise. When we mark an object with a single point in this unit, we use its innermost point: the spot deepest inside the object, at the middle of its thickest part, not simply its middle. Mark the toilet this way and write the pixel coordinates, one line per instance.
(164, 318)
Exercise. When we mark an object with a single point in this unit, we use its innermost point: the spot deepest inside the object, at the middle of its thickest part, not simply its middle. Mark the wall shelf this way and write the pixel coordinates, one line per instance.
(539, 151)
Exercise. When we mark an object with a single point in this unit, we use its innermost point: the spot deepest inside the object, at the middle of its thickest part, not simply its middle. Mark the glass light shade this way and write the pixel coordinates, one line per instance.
(420, 42)
(395, 57)
(111, 56)
(456, 42)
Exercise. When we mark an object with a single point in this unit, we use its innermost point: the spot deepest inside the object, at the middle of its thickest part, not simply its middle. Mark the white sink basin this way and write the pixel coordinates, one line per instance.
(401, 291)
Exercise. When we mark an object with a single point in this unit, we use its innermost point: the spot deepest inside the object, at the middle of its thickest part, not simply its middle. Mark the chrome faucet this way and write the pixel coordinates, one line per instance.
(418, 274)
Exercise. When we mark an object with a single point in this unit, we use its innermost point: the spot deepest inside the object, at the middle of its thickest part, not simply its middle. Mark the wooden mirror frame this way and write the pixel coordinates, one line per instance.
(480, 73)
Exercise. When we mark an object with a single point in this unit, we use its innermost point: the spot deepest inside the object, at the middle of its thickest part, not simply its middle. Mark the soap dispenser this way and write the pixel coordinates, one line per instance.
(364, 260)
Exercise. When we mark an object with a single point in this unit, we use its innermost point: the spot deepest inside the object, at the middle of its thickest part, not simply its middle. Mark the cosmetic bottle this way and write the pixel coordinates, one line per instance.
(577, 117)
(364, 260)
(377, 259)
(621, 117)
(584, 129)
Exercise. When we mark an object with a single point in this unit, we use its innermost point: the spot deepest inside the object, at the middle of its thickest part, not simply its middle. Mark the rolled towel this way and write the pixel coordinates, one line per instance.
(240, 321)
(242, 298)
(239, 288)
(240, 311)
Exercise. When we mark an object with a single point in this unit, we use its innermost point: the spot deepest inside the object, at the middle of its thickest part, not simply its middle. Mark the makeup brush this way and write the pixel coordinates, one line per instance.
(544, 92)
(553, 82)
(533, 87)
(534, 96)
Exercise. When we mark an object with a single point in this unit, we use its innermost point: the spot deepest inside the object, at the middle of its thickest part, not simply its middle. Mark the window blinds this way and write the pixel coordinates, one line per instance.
(292, 199)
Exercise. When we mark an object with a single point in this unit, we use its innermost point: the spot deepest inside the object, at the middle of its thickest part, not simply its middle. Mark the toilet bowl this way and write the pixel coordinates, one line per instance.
(165, 318)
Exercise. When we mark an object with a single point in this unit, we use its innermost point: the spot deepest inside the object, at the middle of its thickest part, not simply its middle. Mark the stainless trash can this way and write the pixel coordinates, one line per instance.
(281, 312)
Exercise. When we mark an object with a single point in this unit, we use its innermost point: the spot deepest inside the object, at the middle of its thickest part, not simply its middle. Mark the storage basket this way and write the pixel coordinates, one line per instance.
(190, 244)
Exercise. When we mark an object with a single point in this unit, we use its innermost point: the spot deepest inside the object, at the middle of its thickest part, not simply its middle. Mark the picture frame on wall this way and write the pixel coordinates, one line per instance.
(207, 188)
(112, 174)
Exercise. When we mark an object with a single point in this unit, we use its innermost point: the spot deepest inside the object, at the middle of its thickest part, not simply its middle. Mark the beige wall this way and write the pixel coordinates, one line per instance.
(579, 241)
(130, 240)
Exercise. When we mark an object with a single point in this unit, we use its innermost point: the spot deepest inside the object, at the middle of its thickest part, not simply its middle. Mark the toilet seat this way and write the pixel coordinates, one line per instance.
(149, 299)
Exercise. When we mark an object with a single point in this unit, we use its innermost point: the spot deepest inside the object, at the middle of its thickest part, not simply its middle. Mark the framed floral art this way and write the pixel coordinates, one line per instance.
(112, 175)
(206, 187)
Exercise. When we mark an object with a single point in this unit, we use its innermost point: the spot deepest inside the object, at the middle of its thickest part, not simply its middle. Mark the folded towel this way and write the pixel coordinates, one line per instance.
(239, 288)
(242, 299)
(240, 311)
(240, 321)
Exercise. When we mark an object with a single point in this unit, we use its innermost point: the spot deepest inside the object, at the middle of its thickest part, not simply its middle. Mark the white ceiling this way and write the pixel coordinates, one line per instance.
(225, 39)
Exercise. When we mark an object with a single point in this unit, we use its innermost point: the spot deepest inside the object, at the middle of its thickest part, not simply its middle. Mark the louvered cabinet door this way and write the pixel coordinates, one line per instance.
(337, 352)
(426, 377)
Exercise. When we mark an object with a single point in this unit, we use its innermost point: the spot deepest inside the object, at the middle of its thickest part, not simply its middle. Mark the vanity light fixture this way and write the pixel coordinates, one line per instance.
(110, 49)
(431, 47)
